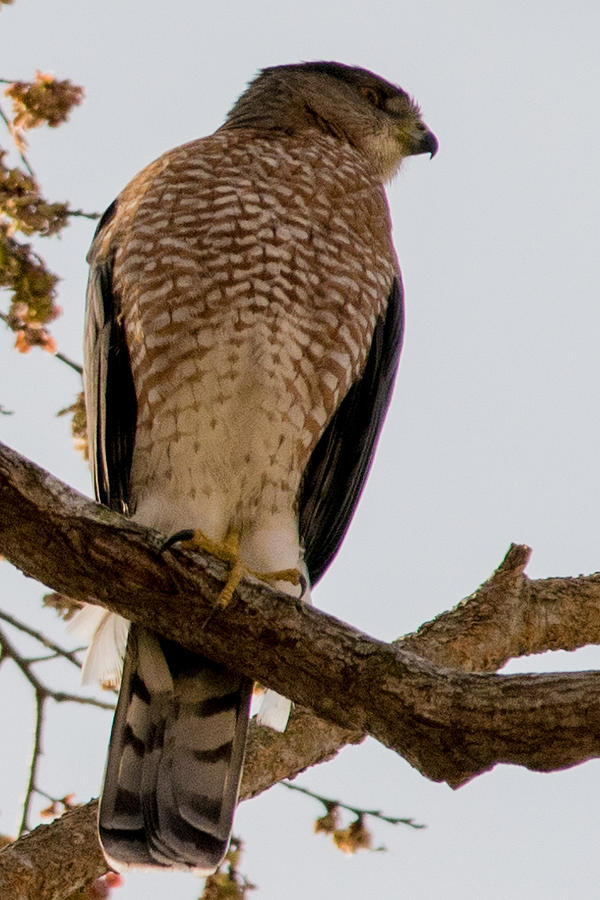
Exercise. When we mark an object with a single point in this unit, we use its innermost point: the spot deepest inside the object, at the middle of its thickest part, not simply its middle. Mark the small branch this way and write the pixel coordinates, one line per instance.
(41, 694)
(47, 796)
(85, 215)
(57, 355)
(22, 156)
(10, 651)
(48, 657)
(69, 655)
(34, 765)
(68, 362)
(61, 697)
(329, 803)
(40, 697)
(76, 213)
(509, 616)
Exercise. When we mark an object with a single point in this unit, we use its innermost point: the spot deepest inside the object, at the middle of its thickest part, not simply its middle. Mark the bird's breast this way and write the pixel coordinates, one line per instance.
(250, 294)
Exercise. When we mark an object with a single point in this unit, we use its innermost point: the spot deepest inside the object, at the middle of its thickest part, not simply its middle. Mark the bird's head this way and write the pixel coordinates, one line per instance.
(355, 105)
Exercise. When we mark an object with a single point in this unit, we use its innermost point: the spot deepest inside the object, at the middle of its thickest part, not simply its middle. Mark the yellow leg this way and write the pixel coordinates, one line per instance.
(291, 575)
(229, 552)
(235, 576)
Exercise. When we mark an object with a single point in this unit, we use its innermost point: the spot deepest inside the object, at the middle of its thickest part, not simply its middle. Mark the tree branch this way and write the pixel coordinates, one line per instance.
(509, 616)
(450, 724)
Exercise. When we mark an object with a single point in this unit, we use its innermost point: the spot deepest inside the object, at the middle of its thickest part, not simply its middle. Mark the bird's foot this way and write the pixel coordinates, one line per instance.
(291, 575)
(228, 552)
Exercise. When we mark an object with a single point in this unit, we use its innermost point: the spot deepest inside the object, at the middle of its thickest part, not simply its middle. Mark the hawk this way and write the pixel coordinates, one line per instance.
(243, 328)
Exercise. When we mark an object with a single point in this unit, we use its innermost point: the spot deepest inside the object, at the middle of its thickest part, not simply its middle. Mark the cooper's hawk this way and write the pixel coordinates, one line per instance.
(244, 322)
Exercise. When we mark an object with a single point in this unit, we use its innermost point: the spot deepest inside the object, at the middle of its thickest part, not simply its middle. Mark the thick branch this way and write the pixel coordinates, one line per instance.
(508, 616)
(53, 861)
(449, 724)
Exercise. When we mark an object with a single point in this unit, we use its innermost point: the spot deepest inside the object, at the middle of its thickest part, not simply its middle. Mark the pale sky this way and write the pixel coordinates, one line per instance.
(492, 435)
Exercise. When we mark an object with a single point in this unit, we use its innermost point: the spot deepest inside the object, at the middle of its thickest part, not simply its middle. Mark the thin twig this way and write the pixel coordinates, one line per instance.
(329, 803)
(65, 802)
(46, 795)
(22, 156)
(30, 660)
(69, 362)
(70, 655)
(61, 356)
(36, 752)
(70, 212)
(11, 651)
(41, 695)
(63, 697)
(83, 214)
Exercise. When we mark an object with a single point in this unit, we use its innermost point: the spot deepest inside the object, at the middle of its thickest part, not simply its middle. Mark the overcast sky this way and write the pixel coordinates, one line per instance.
(493, 432)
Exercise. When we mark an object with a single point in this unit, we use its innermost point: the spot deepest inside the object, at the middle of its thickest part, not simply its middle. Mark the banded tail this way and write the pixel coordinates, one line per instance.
(175, 758)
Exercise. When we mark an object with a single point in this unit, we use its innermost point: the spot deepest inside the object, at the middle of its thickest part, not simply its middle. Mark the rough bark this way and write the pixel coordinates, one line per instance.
(53, 861)
(509, 616)
(425, 696)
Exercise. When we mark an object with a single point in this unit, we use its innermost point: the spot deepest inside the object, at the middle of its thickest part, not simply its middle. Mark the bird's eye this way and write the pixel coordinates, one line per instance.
(371, 95)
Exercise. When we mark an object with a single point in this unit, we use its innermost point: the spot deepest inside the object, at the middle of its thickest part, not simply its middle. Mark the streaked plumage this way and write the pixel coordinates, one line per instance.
(243, 329)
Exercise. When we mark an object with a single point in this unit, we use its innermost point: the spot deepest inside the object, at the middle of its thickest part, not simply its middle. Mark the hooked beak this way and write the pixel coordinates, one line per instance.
(427, 143)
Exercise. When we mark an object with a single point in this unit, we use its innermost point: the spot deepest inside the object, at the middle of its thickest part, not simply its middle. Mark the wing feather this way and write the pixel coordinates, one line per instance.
(337, 469)
(109, 390)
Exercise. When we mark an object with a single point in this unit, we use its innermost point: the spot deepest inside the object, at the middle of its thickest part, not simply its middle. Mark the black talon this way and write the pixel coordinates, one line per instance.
(186, 535)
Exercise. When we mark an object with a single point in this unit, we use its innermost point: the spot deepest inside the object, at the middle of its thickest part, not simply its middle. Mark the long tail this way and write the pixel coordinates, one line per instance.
(175, 758)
